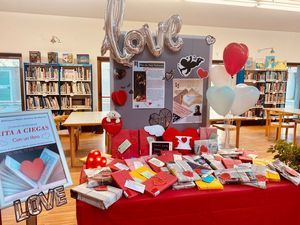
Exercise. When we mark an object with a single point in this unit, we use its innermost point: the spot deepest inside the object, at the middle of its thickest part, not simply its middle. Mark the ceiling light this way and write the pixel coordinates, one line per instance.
(246, 3)
(280, 5)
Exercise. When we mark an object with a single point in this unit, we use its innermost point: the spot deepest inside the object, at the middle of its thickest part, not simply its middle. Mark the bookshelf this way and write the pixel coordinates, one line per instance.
(272, 87)
(63, 88)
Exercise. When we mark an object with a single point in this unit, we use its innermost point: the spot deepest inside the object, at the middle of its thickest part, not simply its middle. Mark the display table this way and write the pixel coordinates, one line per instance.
(236, 204)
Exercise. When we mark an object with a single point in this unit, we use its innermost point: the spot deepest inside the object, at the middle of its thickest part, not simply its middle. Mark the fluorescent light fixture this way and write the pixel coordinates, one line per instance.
(280, 5)
(246, 3)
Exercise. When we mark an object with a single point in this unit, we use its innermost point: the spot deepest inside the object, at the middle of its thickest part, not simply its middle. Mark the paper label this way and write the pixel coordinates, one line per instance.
(133, 185)
(121, 166)
(137, 164)
(156, 162)
(124, 146)
(177, 157)
(147, 174)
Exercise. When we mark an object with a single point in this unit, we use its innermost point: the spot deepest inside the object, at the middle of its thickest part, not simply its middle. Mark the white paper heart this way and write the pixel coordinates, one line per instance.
(220, 99)
(245, 98)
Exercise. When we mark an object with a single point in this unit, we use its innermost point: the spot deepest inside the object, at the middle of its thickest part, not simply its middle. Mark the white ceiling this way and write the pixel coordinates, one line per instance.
(158, 10)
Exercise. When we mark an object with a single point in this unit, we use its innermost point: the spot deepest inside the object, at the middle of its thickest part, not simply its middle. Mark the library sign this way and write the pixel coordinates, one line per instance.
(32, 163)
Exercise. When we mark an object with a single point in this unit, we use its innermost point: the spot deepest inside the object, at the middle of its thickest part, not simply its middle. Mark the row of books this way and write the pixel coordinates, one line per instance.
(255, 112)
(37, 102)
(36, 87)
(78, 73)
(276, 87)
(276, 75)
(41, 73)
(68, 103)
(257, 76)
(75, 88)
(275, 98)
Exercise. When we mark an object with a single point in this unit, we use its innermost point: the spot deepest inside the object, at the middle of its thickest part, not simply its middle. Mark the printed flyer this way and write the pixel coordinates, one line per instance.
(31, 156)
(187, 100)
(149, 84)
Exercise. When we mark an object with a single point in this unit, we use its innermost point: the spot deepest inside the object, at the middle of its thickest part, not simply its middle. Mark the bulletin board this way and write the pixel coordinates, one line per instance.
(184, 70)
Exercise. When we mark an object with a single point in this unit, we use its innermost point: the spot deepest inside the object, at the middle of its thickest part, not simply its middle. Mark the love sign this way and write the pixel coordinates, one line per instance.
(135, 40)
(34, 205)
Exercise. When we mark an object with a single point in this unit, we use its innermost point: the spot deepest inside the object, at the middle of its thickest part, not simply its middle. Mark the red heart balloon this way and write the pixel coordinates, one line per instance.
(119, 97)
(235, 56)
(112, 127)
(33, 169)
(202, 73)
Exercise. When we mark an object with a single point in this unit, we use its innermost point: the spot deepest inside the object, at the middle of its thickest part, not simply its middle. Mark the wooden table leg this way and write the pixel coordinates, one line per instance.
(267, 123)
(72, 145)
(0, 218)
(237, 137)
(32, 220)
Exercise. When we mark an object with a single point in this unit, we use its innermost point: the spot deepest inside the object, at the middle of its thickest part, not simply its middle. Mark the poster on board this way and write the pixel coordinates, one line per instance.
(187, 100)
(148, 84)
(31, 156)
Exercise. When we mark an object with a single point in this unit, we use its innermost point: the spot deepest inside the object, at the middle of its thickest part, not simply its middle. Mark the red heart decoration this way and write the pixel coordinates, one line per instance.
(33, 169)
(95, 160)
(235, 56)
(202, 73)
(112, 127)
(184, 139)
(203, 149)
(188, 173)
(119, 97)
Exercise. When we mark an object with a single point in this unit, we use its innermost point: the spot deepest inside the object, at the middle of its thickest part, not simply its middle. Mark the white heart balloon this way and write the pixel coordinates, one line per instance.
(220, 99)
(219, 76)
(245, 98)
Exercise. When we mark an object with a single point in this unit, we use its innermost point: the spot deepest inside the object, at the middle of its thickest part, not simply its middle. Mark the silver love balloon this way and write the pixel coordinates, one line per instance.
(135, 40)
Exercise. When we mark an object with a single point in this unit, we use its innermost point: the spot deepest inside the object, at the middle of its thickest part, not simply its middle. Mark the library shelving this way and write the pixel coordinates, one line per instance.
(272, 87)
(63, 88)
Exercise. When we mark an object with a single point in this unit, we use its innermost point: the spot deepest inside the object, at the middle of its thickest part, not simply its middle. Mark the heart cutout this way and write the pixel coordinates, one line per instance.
(112, 127)
(202, 73)
(203, 149)
(33, 169)
(119, 97)
(184, 139)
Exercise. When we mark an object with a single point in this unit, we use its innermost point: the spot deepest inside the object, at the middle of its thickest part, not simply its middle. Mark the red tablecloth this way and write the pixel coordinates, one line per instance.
(236, 204)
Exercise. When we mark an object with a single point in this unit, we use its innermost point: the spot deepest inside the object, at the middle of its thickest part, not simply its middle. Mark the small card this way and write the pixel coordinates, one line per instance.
(147, 174)
(133, 185)
(121, 166)
(156, 162)
(177, 157)
(124, 146)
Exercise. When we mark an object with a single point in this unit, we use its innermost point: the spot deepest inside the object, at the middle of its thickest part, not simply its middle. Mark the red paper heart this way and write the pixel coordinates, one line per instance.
(112, 127)
(119, 97)
(202, 73)
(188, 173)
(203, 149)
(235, 56)
(184, 139)
(33, 169)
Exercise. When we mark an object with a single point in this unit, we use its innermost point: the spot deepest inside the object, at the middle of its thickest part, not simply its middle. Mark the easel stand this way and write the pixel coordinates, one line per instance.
(31, 221)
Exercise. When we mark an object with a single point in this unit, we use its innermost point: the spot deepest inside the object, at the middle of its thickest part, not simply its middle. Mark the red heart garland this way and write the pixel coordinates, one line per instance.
(112, 127)
(202, 73)
(33, 169)
(119, 97)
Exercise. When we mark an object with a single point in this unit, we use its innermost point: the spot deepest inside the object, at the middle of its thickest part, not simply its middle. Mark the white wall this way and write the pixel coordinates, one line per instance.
(21, 33)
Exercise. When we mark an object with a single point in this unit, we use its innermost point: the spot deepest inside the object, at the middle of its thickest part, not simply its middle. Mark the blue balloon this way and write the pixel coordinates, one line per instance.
(220, 99)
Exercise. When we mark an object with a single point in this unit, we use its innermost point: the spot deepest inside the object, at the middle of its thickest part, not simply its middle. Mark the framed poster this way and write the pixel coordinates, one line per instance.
(148, 84)
(31, 156)
(187, 100)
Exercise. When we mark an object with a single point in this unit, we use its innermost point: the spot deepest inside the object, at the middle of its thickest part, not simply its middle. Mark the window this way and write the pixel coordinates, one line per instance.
(10, 85)
(105, 71)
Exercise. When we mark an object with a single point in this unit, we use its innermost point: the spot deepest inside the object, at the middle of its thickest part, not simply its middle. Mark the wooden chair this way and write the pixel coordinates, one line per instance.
(278, 124)
(296, 121)
(61, 119)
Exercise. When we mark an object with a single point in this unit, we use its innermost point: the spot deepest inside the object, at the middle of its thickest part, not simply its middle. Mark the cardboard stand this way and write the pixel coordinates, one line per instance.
(0, 218)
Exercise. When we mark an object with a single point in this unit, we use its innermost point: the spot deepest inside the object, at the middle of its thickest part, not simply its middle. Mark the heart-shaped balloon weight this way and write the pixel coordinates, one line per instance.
(119, 97)
(112, 127)
(220, 99)
(235, 56)
(245, 98)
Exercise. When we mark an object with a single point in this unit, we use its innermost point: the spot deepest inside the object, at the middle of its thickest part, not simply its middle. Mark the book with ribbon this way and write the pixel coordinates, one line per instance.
(120, 177)
(209, 183)
(142, 174)
(158, 183)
